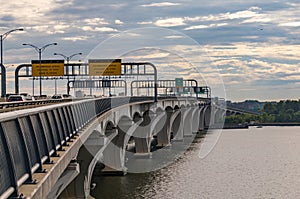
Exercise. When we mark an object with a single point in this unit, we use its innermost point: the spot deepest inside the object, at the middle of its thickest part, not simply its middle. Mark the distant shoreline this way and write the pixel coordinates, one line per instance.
(277, 124)
(245, 126)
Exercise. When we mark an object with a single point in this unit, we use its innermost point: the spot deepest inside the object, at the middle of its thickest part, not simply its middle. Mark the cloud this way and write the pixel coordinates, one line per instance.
(253, 65)
(76, 38)
(161, 4)
(105, 29)
(95, 21)
(205, 26)
(261, 18)
(58, 29)
(157, 55)
(243, 14)
(29, 12)
(119, 22)
(170, 22)
(174, 37)
(291, 24)
(145, 22)
(250, 15)
(99, 29)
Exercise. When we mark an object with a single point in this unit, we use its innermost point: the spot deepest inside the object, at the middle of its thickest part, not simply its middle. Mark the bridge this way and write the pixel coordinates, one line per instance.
(233, 110)
(51, 150)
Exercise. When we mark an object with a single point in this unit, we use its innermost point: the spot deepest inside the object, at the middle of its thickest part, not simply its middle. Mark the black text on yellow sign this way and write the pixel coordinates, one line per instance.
(104, 67)
(47, 68)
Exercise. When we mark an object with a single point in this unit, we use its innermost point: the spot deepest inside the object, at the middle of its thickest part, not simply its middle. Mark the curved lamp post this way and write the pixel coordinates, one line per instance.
(40, 50)
(67, 58)
(3, 71)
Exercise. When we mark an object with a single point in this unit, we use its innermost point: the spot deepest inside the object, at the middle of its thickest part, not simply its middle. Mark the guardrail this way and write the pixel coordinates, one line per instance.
(9, 106)
(28, 138)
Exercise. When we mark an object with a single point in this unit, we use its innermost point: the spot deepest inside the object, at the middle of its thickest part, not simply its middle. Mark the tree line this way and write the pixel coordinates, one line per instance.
(282, 112)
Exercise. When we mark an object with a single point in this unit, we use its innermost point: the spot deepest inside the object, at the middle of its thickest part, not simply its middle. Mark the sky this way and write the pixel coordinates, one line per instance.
(241, 49)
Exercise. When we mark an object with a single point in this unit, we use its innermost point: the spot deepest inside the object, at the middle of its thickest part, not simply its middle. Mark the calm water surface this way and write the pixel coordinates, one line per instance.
(246, 163)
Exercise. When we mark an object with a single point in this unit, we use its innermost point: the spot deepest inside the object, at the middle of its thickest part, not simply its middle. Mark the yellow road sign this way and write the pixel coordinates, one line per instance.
(104, 67)
(48, 68)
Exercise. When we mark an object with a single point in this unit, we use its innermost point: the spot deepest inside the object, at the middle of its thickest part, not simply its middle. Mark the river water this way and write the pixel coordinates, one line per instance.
(245, 163)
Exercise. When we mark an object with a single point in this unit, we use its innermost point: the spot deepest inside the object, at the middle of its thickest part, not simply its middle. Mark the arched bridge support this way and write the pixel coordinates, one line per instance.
(176, 124)
(188, 121)
(201, 118)
(208, 118)
(114, 153)
(152, 123)
(164, 130)
(195, 119)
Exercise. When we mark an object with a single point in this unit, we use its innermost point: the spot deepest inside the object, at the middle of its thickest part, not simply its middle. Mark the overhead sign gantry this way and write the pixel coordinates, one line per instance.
(74, 70)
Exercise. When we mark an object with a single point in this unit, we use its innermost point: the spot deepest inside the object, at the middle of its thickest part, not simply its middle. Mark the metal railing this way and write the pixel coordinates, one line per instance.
(9, 106)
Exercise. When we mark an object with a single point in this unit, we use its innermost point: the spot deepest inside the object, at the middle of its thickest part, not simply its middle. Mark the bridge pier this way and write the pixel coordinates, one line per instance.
(164, 134)
(142, 136)
(113, 157)
(187, 121)
(201, 119)
(152, 124)
(208, 119)
(176, 125)
(114, 153)
(195, 119)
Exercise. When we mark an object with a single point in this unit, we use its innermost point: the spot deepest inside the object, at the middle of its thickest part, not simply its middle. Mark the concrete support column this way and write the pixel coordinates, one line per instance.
(143, 135)
(201, 119)
(142, 145)
(177, 125)
(208, 117)
(164, 134)
(113, 156)
(187, 122)
(195, 120)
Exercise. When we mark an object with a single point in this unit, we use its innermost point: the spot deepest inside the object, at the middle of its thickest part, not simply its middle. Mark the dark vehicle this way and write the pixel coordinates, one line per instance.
(16, 98)
(57, 97)
(66, 96)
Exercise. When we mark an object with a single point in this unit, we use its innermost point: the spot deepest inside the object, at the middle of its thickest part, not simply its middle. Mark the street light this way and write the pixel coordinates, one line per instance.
(3, 71)
(40, 50)
(67, 58)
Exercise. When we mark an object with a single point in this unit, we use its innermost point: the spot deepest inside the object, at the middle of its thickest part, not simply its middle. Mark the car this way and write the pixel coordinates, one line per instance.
(57, 96)
(66, 96)
(16, 98)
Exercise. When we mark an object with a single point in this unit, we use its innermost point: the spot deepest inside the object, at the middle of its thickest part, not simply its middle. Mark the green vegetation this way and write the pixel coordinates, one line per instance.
(283, 111)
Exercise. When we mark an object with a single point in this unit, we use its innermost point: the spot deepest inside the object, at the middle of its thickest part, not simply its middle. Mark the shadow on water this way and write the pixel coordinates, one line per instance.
(140, 185)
